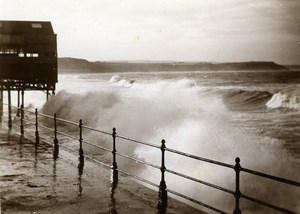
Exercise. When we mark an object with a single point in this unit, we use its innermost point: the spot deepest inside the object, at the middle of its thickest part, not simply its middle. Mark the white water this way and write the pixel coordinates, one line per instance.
(189, 120)
(289, 98)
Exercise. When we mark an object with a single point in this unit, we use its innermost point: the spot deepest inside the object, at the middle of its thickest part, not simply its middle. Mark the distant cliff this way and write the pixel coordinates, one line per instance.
(72, 65)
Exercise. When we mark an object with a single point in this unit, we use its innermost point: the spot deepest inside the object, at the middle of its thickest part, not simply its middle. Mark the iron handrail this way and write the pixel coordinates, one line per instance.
(28, 121)
(97, 161)
(46, 115)
(267, 204)
(45, 127)
(67, 135)
(67, 148)
(96, 130)
(26, 110)
(237, 167)
(168, 149)
(200, 158)
(283, 180)
(67, 121)
(138, 178)
(97, 146)
(16, 107)
(138, 160)
(137, 141)
(201, 182)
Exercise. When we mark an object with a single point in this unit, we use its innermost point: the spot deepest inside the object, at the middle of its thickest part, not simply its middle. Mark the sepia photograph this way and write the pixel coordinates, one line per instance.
(138, 106)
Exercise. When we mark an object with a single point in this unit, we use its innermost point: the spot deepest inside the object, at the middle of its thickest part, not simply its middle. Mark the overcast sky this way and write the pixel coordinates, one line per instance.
(181, 30)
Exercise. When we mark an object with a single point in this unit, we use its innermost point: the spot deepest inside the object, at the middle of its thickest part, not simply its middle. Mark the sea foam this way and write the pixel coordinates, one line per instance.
(190, 121)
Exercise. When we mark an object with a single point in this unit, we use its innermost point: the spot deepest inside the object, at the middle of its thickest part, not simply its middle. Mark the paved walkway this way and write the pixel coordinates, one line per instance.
(32, 182)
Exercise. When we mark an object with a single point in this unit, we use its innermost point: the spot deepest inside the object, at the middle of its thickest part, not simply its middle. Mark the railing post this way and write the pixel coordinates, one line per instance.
(114, 163)
(37, 137)
(55, 141)
(237, 194)
(162, 194)
(81, 155)
(22, 120)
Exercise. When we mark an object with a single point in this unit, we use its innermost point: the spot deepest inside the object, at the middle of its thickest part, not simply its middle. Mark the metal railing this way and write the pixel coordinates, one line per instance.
(162, 187)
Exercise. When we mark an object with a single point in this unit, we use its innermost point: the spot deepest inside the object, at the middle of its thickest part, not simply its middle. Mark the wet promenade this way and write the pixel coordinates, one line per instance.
(32, 182)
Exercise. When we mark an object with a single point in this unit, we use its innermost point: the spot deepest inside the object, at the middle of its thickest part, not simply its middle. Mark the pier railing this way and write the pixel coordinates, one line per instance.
(32, 118)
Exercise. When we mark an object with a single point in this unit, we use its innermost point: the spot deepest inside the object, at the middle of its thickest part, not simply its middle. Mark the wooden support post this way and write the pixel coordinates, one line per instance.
(55, 141)
(47, 96)
(22, 96)
(162, 194)
(115, 176)
(81, 155)
(18, 112)
(237, 194)
(37, 137)
(22, 114)
(1, 104)
(9, 108)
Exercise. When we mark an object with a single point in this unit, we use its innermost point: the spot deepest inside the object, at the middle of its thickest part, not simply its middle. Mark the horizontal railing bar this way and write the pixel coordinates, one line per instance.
(283, 180)
(97, 146)
(59, 119)
(45, 127)
(67, 135)
(29, 121)
(266, 204)
(200, 158)
(46, 115)
(196, 201)
(96, 130)
(99, 162)
(138, 178)
(29, 111)
(45, 140)
(201, 182)
(67, 121)
(74, 151)
(137, 141)
(137, 160)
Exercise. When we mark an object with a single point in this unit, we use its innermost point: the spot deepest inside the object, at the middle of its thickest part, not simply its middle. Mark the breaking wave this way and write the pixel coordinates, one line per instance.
(289, 98)
(191, 120)
(122, 81)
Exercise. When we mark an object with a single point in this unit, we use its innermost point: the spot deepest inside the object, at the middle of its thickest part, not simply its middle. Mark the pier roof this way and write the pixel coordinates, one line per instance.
(26, 27)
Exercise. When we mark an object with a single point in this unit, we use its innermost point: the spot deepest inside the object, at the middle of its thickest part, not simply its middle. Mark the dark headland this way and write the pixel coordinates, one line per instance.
(73, 65)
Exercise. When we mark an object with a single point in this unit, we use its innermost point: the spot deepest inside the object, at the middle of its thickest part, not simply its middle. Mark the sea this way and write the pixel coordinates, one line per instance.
(219, 115)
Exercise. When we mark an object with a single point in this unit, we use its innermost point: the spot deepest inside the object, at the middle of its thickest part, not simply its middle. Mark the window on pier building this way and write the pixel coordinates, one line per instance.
(36, 25)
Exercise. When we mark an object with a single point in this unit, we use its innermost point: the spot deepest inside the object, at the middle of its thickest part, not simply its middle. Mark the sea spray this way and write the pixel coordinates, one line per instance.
(190, 121)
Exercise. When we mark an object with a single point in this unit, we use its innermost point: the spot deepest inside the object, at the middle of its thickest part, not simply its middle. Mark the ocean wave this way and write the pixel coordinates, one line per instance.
(288, 98)
(246, 100)
(281, 100)
(122, 81)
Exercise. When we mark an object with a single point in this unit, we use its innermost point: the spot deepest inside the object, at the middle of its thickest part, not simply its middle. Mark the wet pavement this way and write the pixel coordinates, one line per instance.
(32, 182)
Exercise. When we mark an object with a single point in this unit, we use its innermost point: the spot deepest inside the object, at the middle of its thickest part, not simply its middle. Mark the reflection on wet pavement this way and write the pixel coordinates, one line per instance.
(32, 181)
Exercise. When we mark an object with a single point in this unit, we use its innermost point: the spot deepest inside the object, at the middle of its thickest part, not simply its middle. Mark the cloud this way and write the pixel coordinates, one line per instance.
(170, 29)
